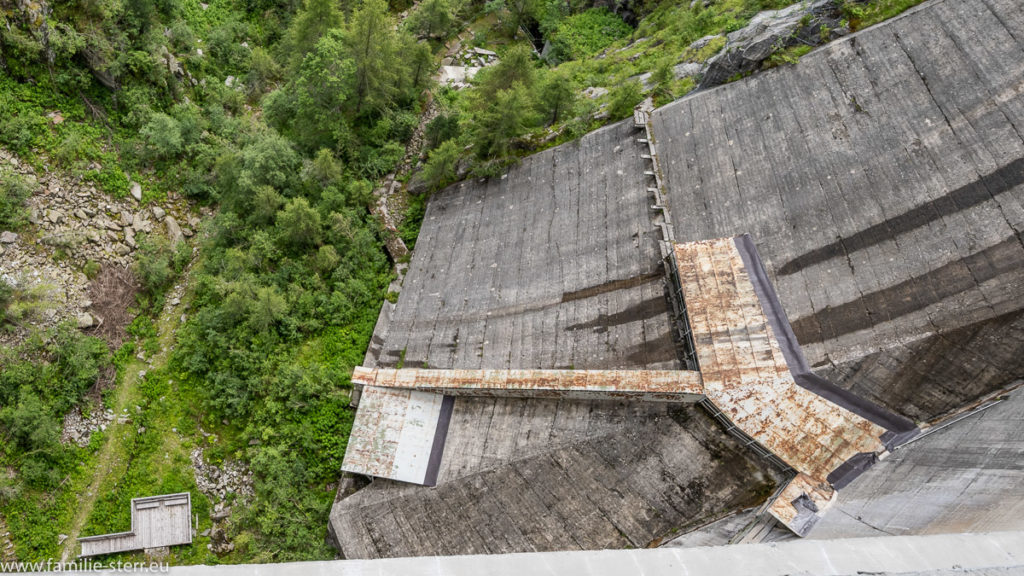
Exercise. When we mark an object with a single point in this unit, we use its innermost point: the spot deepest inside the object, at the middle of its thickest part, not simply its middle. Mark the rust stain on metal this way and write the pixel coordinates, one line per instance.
(375, 432)
(746, 375)
(656, 385)
(819, 493)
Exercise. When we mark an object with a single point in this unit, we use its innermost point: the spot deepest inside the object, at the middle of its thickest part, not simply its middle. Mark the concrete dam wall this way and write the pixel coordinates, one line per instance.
(882, 179)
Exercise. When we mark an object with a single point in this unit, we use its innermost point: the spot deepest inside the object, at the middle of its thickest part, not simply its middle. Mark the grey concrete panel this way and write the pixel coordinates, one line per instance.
(967, 477)
(634, 477)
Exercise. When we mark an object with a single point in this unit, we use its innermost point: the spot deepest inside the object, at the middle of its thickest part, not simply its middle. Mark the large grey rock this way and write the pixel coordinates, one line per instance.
(86, 320)
(701, 43)
(773, 30)
(686, 70)
(136, 191)
(7, 237)
(173, 230)
(140, 224)
(159, 213)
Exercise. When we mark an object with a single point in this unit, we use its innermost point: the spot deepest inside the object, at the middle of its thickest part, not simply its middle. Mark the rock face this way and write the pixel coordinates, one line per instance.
(78, 428)
(771, 31)
(82, 223)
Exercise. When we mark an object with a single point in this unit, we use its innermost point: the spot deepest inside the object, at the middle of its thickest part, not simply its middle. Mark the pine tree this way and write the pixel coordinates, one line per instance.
(311, 24)
(373, 44)
(556, 96)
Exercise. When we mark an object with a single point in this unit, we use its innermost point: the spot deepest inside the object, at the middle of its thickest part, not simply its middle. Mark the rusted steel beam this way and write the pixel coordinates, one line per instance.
(747, 376)
(649, 385)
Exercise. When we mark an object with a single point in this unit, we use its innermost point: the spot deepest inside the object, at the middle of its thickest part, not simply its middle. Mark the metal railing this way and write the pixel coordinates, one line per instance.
(747, 441)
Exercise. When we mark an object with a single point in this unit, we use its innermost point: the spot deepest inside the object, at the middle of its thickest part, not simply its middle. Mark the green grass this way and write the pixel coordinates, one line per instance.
(587, 33)
(790, 55)
(868, 14)
(37, 517)
(74, 144)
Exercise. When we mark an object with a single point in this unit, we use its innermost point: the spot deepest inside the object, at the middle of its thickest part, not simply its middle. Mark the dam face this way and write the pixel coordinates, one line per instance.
(882, 181)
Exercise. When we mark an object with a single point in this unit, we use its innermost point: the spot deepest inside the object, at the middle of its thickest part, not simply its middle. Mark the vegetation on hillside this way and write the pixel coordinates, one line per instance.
(540, 93)
(284, 133)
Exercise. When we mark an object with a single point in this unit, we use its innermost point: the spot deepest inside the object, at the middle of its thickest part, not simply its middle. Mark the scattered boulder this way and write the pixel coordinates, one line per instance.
(701, 43)
(159, 213)
(78, 429)
(86, 320)
(173, 230)
(7, 237)
(140, 224)
(686, 70)
(55, 216)
(136, 191)
(219, 543)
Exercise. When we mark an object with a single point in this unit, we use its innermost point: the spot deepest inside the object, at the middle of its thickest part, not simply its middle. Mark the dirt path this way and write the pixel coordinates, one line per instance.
(117, 431)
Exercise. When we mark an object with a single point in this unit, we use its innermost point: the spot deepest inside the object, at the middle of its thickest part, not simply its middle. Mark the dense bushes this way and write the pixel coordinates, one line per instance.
(587, 33)
(39, 382)
(306, 273)
(14, 191)
(292, 270)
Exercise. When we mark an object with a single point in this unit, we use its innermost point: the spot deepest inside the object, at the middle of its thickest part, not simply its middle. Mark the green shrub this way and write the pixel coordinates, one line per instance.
(15, 189)
(20, 129)
(624, 98)
(587, 33)
(790, 55)
(162, 135)
(91, 269)
(864, 14)
(75, 151)
(439, 169)
(444, 126)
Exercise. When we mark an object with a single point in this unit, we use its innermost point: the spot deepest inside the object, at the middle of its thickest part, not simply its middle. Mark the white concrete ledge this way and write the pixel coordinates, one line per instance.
(905, 555)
